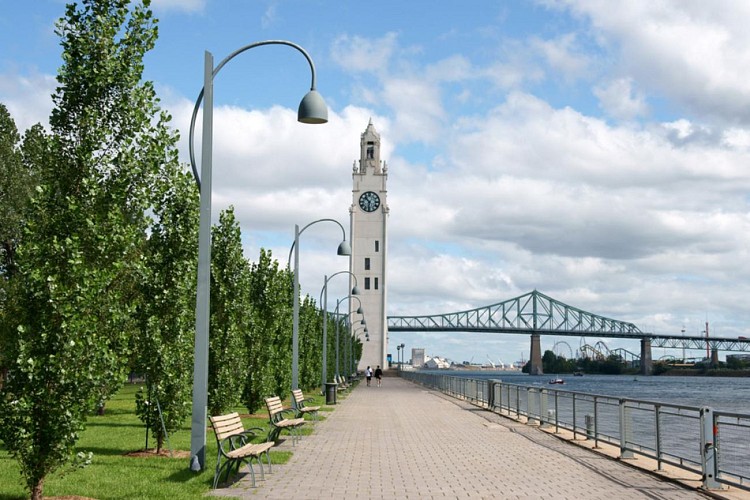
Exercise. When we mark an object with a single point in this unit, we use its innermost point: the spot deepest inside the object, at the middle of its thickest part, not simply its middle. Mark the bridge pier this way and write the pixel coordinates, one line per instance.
(714, 357)
(535, 355)
(646, 364)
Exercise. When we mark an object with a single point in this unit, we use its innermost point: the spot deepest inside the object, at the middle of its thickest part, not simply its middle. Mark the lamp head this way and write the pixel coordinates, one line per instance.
(355, 290)
(312, 109)
(344, 248)
(360, 311)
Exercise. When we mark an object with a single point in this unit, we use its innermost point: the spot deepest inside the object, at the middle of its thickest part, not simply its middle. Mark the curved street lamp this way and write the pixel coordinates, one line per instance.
(312, 109)
(347, 320)
(355, 335)
(324, 303)
(344, 249)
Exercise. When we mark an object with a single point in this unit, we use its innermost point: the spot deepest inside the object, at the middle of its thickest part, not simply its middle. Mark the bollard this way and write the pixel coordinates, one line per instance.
(589, 426)
(709, 449)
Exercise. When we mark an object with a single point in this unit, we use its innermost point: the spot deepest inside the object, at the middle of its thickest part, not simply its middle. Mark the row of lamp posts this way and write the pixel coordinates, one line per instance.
(312, 110)
(400, 354)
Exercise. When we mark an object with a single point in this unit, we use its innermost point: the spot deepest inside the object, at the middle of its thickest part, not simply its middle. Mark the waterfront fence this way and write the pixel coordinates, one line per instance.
(711, 443)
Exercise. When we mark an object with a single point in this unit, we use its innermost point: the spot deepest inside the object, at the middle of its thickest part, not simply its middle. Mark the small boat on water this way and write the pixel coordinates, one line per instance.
(578, 374)
(556, 381)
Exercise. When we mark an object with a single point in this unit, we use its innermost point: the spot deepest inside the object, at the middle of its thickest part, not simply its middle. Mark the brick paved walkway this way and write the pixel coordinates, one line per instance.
(403, 441)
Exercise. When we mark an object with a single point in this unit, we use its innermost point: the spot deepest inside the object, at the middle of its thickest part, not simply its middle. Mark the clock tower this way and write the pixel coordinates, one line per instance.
(369, 222)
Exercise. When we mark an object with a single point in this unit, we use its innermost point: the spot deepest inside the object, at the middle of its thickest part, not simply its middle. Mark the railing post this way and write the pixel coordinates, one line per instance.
(657, 415)
(626, 429)
(575, 435)
(709, 450)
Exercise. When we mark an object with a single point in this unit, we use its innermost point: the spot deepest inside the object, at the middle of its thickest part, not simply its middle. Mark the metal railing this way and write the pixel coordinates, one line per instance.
(710, 443)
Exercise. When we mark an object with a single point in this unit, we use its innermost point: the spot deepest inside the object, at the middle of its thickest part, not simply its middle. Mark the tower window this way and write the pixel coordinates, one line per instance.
(367, 263)
(370, 150)
(367, 283)
(376, 283)
(377, 246)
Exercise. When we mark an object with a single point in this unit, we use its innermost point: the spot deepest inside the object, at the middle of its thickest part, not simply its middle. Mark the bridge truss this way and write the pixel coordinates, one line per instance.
(533, 312)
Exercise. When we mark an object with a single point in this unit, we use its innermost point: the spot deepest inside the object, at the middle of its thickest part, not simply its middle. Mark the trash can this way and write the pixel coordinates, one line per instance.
(331, 393)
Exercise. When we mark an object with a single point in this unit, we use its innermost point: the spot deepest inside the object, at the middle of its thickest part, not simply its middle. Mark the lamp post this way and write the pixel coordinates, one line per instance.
(363, 325)
(347, 319)
(398, 356)
(403, 355)
(355, 335)
(312, 109)
(344, 249)
(324, 301)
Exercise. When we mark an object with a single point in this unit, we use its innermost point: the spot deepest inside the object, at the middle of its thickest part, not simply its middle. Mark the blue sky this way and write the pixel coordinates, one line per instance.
(592, 150)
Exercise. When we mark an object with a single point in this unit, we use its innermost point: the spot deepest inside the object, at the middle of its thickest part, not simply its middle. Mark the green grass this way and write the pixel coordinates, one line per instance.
(112, 475)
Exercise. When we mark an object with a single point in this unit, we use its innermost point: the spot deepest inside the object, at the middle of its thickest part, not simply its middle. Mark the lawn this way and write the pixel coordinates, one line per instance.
(114, 475)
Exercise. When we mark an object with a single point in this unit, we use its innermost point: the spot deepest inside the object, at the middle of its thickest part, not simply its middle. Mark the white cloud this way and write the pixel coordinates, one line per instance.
(563, 55)
(28, 98)
(359, 54)
(694, 53)
(618, 99)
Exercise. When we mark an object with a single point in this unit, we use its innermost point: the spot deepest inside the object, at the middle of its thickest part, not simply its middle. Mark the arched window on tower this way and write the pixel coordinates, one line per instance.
(370, 150)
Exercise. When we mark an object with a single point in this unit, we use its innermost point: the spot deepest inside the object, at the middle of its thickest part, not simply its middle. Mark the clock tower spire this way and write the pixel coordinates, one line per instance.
(368, 219)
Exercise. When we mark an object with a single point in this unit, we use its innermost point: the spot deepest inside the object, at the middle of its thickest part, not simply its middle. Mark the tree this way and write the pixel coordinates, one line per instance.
(17, 182)
(269, 339)
(81, 254)
(164, 345)
(310, 343)
(230, 315)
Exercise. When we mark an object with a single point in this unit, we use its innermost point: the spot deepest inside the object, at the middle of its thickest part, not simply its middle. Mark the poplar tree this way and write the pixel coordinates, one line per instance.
(164, 344)
(268, 348)
(230, 315)
(81, 253)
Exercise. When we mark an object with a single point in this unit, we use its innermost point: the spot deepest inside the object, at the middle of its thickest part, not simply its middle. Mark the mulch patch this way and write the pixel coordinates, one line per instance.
(151, 452)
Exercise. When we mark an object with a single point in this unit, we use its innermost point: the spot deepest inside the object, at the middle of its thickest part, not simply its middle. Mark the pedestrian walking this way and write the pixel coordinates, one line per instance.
(368, 374)
(379, 375)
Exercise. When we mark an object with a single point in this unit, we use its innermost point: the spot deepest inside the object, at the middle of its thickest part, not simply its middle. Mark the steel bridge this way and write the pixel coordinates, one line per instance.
(535, 314)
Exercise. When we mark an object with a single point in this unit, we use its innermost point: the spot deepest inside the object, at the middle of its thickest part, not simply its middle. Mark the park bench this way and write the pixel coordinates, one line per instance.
(279, 422)
(300, 405)
(342, 384)
(233, 441)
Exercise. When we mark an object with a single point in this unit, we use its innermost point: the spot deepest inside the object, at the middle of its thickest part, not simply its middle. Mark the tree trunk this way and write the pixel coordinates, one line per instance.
(37, 490)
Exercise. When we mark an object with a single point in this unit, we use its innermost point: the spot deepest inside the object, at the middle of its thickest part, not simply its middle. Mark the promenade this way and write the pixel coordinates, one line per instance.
(404, 441)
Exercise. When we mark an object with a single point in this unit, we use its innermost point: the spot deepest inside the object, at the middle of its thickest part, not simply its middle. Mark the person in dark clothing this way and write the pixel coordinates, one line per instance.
(379, 375)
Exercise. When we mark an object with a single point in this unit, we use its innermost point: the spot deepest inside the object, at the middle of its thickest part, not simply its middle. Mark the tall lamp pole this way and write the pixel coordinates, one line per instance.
(347, 321)
(312, 109)
(344, 249)
(324, 302)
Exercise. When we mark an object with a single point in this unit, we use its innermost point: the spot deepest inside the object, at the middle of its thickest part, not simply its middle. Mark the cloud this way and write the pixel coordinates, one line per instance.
(359, 54)
(691, 53)
(28, 97)
(618, 100)
(563, 55)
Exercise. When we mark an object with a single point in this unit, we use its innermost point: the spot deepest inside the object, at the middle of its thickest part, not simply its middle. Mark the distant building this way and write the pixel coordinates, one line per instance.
(437, 363)
(739, 357)
(417, 357)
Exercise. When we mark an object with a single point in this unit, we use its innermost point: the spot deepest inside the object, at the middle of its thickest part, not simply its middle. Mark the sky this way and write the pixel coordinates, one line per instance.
(598, 152)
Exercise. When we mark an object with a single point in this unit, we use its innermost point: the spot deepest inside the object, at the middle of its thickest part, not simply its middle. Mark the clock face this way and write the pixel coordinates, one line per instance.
(369, 201)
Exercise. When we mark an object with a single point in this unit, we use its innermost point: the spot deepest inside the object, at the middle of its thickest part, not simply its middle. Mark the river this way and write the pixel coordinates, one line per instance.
(729, 394)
